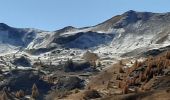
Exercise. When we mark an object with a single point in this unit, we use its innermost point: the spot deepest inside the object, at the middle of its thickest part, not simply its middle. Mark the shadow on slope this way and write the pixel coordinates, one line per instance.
(84, 40)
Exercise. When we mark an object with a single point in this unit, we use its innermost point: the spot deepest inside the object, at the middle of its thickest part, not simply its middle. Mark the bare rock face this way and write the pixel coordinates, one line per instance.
(22, 61)
(71, 66)
(69, 83)
(24, 79)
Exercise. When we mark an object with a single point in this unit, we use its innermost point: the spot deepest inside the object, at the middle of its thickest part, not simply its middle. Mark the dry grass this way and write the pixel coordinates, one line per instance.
(131, 83)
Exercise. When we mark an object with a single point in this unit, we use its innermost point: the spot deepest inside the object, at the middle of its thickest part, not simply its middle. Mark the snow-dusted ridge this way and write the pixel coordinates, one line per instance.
(120, 34)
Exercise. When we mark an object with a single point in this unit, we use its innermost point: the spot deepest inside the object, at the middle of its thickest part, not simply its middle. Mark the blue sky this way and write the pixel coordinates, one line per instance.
(56, 14)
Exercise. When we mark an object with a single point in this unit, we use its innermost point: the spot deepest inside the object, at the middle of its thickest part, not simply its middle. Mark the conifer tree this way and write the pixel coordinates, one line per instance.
(20, 94)
(4, 96)
(125, 89)
(35, 92)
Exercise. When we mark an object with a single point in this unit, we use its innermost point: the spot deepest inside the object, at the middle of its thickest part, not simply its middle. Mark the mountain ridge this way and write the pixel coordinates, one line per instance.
(148, 30)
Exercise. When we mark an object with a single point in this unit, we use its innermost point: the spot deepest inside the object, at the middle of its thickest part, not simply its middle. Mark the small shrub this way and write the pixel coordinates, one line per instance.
(119, 84)
(125, 89)
(167, 55)
(91, 94)
(121, 70)
(76, 91)
(118, 77)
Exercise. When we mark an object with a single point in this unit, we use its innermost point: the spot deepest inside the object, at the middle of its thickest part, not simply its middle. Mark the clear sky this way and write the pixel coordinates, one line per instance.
(56, 14)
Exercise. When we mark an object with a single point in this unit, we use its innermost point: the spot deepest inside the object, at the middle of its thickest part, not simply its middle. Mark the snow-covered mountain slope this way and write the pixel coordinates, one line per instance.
(123, 33)
(13, 39)
(131, 31)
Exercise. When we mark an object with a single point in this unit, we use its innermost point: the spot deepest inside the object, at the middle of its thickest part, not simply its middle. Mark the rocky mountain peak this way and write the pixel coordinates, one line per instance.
(4, 26)
(66, 29)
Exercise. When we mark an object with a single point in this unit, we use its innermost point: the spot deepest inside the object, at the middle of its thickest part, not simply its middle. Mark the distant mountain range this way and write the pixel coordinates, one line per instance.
(130, 32)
